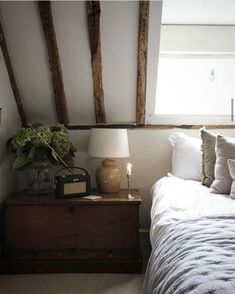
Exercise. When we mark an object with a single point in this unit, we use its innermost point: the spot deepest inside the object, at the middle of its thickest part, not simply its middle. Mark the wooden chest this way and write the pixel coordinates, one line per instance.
(46, 234)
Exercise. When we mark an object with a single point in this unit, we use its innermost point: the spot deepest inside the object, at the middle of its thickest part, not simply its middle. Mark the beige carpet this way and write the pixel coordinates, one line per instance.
(71, 284)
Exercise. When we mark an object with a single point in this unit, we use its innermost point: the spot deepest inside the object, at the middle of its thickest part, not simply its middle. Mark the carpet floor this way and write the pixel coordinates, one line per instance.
(71, 284)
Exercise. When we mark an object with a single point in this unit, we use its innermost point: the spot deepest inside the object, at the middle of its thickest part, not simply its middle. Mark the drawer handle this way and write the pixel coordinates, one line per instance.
(71, 209)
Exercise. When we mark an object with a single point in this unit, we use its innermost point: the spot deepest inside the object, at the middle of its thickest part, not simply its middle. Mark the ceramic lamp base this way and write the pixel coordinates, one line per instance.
(108, 177)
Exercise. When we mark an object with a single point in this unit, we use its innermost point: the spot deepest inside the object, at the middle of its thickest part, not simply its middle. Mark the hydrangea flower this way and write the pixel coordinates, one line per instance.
(40, 143)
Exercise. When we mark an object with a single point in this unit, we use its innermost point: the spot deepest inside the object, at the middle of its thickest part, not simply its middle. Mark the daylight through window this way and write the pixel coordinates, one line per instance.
(195, 84)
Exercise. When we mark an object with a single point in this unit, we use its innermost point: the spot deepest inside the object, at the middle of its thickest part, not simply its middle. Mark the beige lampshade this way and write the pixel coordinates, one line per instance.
(109, 143)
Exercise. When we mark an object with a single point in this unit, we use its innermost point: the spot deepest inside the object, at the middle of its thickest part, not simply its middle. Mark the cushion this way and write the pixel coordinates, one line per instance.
(186, 156)
(208, 156)
(224, 149)
(231, 167)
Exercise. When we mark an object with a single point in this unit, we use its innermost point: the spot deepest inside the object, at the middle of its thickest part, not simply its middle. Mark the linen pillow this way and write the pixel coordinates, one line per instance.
(208, 157)
(231, 167)
(186, 156)
(224, 149)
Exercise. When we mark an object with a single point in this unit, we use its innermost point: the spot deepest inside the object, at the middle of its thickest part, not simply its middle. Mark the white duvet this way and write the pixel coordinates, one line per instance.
(176, 199)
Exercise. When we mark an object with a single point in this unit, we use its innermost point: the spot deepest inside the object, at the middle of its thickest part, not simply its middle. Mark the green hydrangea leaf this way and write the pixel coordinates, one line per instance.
(32, 153)
(21, 161)
(68, 159)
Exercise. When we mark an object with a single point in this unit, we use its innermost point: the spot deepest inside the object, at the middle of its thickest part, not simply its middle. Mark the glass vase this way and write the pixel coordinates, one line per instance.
(40, 179)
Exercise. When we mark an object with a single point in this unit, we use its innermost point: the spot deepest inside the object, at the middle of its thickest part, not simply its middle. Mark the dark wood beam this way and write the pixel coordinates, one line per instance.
(93, 18)
(106, 126)
(142, 61)
(144, 126)
(54, 61)
(12, 79)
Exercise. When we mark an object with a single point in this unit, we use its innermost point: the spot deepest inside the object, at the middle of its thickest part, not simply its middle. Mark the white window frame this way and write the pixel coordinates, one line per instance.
(151, 83)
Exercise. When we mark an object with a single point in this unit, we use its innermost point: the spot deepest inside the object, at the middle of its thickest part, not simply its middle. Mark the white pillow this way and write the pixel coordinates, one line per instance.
(186, 156)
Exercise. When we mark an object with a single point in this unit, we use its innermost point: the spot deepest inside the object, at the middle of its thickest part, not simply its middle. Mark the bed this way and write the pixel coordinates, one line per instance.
(193, 239)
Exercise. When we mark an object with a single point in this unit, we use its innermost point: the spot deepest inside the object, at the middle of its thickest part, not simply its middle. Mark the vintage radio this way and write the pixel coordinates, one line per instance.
(72, 185)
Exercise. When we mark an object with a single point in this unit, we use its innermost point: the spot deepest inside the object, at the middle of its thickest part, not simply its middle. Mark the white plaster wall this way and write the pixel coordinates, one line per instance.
(211, 12)
(72, 35)
(23, 33)
(10, 121)
(119, 43)
(119, 39)
(197, 39)
(150, 154)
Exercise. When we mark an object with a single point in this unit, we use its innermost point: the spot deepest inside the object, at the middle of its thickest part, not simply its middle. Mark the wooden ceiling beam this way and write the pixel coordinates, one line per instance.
(54, 61)
(148, 126)
(12, 79)
(142, 61)
(93, 18)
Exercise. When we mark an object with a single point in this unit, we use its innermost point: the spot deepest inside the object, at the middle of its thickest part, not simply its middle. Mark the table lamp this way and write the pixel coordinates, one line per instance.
(108, 143)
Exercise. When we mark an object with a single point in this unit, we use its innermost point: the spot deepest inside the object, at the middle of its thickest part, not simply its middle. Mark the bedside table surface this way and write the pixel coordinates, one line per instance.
(121, 197)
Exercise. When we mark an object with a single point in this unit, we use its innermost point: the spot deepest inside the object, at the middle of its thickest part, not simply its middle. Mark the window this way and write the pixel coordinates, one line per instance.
(195, 85)
(195, 80)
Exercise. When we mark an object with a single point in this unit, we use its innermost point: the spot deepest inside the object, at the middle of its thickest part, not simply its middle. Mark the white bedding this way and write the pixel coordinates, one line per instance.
(176, 199)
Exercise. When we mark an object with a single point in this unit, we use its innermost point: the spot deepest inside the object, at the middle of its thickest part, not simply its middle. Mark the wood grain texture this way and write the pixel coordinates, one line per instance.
(54, 61)
(189, 127)
(121, 197)
(107, 126)
(29, 266)
(48, 227)
(93, 18)
(76, 234)
(142, 61)
(142, 126)
(12, 79)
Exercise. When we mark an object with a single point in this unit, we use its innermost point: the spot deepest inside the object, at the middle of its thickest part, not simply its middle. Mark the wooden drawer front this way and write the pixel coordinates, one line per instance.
(78, 254)
(45, 227)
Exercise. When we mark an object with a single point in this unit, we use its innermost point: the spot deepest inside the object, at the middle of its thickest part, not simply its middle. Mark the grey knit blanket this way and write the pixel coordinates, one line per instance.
(194, 256)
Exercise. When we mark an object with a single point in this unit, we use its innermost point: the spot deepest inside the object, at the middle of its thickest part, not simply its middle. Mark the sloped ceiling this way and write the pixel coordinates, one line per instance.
(119, 42)
(211, 12)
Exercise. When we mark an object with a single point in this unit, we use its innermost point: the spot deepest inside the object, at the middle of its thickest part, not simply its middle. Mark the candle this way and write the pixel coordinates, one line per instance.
(128, 169)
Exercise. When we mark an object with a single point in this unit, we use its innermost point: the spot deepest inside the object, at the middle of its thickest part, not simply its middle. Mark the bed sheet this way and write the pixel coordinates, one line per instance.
(175, 199)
